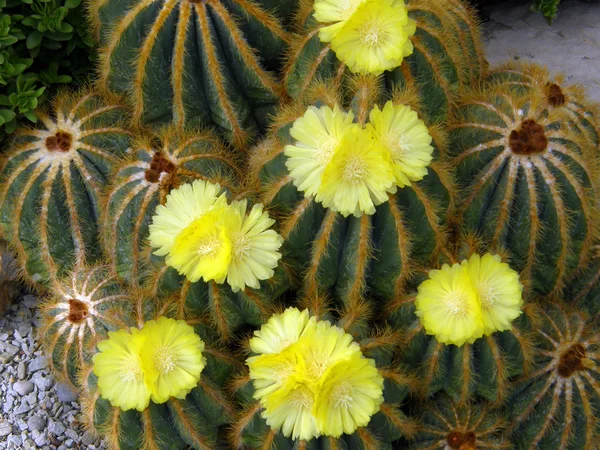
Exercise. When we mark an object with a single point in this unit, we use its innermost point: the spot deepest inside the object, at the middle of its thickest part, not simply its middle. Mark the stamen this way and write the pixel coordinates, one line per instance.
(131, 370)
(355, 170)
(163, 360)
(240, 246)
(372, 34)
(341, 396)
(456, 304)
(209, 246)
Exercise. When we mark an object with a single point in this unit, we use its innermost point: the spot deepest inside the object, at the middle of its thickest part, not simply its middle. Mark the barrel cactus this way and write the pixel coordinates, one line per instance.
(79, 311)
(523, 78)
(527, 179)
(386, 426)
(156, 164)
(349, 255)
(52, 177)
(10, 277)
(553, 408)
(186, 421)
(446, 425)
(583, 289)
(447, 54)
(200, 63)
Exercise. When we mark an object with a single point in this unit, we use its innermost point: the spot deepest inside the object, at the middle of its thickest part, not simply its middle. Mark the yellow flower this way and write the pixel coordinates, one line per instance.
(349, 397)
(184, 205)
(318, 134)
(406, 138)
(271, 371)
(118, 366)
(280, 331)
(448, 306)
(336, 12)
(289, 408)
(322, 346)
(376, 38)
(358, 177)
(172, 358)
(500, 291)
(254, 246)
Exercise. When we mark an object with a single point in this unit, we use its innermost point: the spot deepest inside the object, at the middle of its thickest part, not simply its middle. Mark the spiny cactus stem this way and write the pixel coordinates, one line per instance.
(243, 420)
(216, 311)
(319, 246)
(404, 245)
(529, 139)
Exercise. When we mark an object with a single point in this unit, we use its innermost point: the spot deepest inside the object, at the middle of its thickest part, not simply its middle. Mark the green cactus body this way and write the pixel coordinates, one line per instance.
(52, 177)
(524, 78)
(583, 289)
(80, 311)
(195, 62)
(338, 254)
(142, 182)
(527, 182)
(447, 54)
(447, 425)
(554, 407)
(482, 369)
(192, 422)
(227, 310)
(386, 426)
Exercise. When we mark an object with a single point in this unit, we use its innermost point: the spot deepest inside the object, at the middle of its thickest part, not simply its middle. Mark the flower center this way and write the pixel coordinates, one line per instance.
(131, 371)
(355, 170)
(487, 294)
(325, 150)
(318, 365)
(372, 33)
(456, 304)
(78, 311)
(240, 246)
(398, 145)
(163, 360)
(209, 246)
(341, 396)
(60, 142)
(460, 440)
(529, 139)
(302, 398)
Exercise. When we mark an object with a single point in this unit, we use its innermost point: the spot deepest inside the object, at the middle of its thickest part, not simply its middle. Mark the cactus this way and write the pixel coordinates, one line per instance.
(446, 425)
(583, 289)
(553, 408)
(448, 54)
(194, 62)
(337, 253)
(388, 425)
(524, 78)
(482, 369)
(52, 178)
(192, 422)
(142, 181)
(527, 178)
(78, 313)
(10, 277)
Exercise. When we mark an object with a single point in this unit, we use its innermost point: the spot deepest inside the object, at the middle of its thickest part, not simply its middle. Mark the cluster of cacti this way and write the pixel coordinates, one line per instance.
(432, 219)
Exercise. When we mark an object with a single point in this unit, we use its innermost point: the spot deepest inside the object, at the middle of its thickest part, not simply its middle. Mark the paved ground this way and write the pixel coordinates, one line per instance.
(570, 46)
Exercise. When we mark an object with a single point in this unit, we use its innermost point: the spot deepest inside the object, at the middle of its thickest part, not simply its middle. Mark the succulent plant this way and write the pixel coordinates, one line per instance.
(553, 407)
(155, 165)
(192, 422)
(354, 256)
(194, 62)
(52, 178)
(527, 182)
(79, 312)
(448, 54)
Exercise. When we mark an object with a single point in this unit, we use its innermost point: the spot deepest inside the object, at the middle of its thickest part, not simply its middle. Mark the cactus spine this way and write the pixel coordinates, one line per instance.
(52, 179)
(141, 183)
(195, 62)
(528, 182)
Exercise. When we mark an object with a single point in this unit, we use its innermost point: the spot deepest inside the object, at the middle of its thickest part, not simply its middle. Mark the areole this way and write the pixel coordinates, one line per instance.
(78, 311)
(61, 141)
(529, 139)
(462, 440)
(159, 165)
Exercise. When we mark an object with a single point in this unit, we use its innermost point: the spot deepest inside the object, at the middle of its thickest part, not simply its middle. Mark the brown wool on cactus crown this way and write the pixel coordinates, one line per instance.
(78, 311)
(529, 139)
(160, 164)
(462, 440)
(61, 141)
(556, 97)
(572, 360)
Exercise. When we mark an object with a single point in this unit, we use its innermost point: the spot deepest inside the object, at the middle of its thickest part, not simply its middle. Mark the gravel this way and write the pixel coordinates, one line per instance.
(36, 412)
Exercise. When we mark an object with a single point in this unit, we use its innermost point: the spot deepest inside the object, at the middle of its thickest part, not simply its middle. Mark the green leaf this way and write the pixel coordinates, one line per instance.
(34, 39)
(31, 116)
(72, 3)
(6, 115)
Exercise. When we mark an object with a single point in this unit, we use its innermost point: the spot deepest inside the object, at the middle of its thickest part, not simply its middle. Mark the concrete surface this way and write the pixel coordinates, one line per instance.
(570, 46)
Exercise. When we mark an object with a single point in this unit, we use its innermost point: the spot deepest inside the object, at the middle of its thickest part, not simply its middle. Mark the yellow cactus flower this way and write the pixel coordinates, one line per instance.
(358, 177)
(376, 38)
(448, 306)
(171, 357)
(349, 397)
(203, 249)
(406, 139)
(318, 134)
(271, 371)
(280, 331)
(500, 291)
(254, 246)
(184, 205)
(118, 366)
(335, 12)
